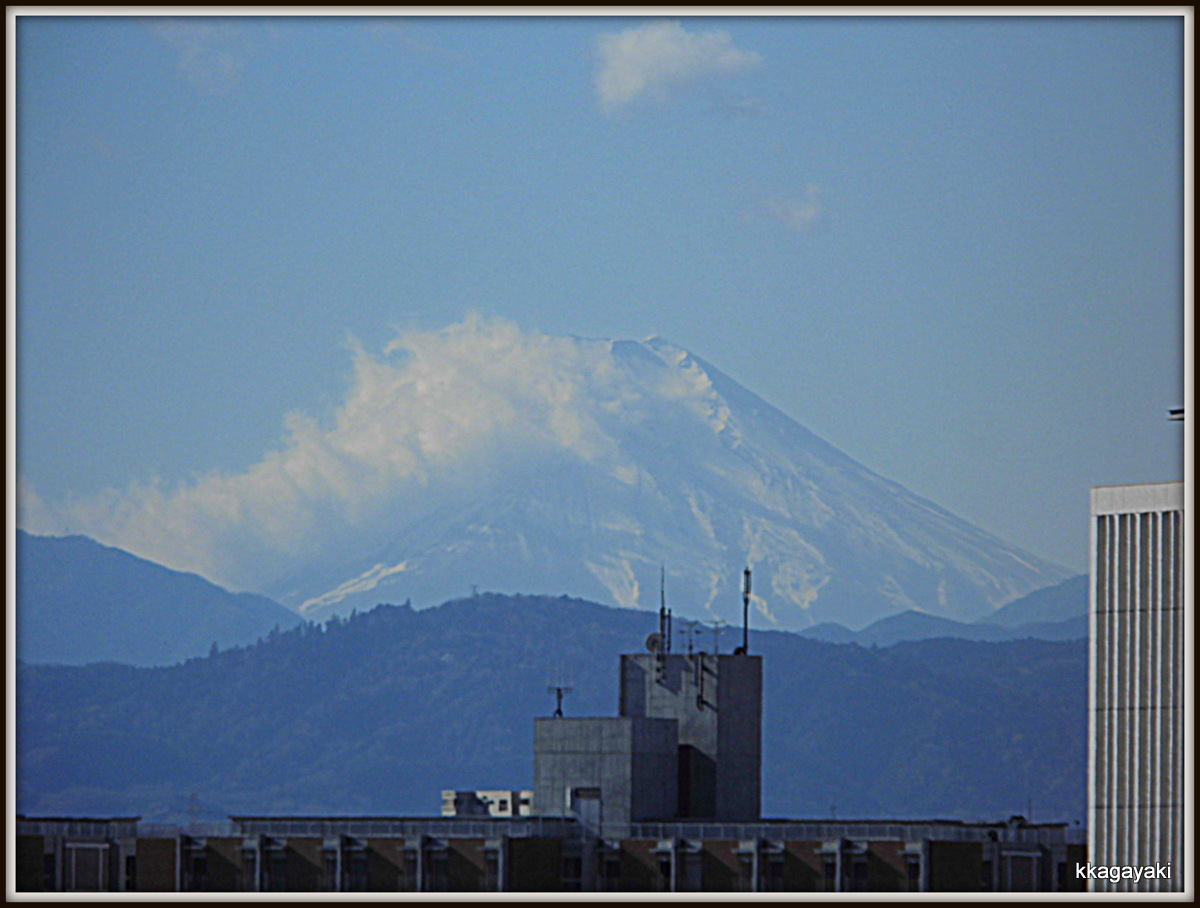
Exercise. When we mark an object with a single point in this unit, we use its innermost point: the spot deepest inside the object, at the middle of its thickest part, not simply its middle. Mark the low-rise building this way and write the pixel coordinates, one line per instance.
(487, 803)
(664, 797)
(546, 854)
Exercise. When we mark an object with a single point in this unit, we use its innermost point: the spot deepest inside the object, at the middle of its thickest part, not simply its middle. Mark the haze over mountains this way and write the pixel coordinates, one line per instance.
(81, 602)
(485, 457)
(691, 472)
(1058, 612)
(379, 713)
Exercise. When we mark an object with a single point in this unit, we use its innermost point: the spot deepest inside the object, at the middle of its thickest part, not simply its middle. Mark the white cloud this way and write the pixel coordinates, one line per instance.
(437, 415)
(796, 211)
(212, 54)
(655, 59)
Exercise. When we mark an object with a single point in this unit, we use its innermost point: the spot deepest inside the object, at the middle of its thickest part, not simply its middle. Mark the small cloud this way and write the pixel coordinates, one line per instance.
(655, 59)
(212, 54)
(33, 515)
(797, 211)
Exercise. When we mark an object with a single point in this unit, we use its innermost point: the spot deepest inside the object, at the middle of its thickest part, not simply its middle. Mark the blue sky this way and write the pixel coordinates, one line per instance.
(952, 247)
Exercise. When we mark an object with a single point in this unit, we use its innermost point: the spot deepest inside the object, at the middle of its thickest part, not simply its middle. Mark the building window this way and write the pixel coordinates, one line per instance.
(439, 872)
(774, 874)
(690, 873)
(572, 873)
(357, 871)
(276, 868)
(913, 866)
(491, 872)
(1022, 873)
(664, 873)
(329, 880)
(250, 862)
(130, 872)
(610, 870)
(1064, 879)
(746, 873)
(86, 865)
(859, 875)
(195, 876)
(408, 882)
(829, 874)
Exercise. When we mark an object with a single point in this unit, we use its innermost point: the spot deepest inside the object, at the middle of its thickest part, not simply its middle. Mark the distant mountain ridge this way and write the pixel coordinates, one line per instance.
(377, 714)
(79, 601)
(1060, 602)
(1055, 613)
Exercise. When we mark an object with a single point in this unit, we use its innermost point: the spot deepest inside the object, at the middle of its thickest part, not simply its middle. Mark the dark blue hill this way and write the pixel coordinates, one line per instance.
(1061, 602)
(1057, 612)
(378, 713)
(79, 602)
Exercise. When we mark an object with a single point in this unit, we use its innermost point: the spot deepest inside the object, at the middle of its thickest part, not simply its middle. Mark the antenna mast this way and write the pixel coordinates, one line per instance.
(746, 610)
(558, 686)
(717, 627)
(558, 690)
(688, 629)
(664, 613)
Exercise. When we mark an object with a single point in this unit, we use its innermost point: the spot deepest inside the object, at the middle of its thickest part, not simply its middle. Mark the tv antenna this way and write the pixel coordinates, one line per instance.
(558, 690)
(688, 629)
(717, 628)
(558, 687)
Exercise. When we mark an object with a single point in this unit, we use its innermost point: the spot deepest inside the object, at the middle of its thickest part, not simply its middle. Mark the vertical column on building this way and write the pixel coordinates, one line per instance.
(415, 845)
(1136, 743)
(1176, 619)
(252, 848)
(499, 848)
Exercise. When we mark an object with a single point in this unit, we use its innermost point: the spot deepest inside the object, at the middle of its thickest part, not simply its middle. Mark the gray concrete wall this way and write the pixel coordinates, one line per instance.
(739, 738)
(631, 760)
(717, 701)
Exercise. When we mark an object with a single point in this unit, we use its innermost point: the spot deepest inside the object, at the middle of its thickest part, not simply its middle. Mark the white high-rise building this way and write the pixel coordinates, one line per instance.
(1136, 754)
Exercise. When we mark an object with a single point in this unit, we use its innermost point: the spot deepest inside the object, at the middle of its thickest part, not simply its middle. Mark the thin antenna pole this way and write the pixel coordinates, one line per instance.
(558, 684)
(688, 629)
(663, 603)
(717, 627)
(746, 611)
(664, 613)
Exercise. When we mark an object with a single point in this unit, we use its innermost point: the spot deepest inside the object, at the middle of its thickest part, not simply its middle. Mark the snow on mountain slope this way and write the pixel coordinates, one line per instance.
(483, 456)
(641, 455)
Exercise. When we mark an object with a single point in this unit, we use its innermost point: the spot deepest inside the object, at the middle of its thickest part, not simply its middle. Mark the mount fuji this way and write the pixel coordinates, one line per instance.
(608, 461)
